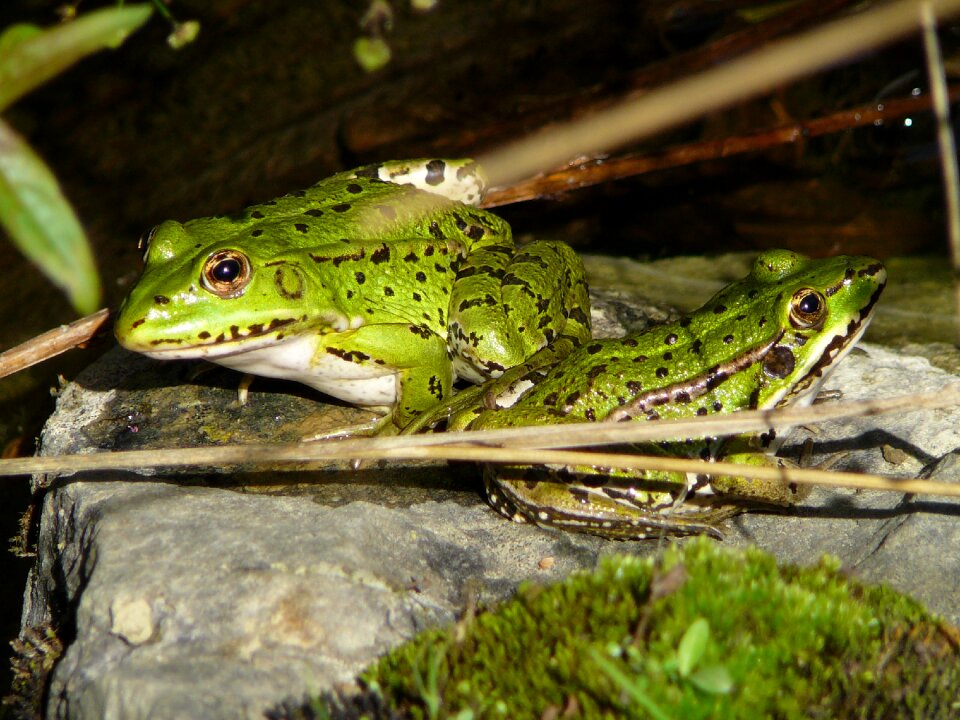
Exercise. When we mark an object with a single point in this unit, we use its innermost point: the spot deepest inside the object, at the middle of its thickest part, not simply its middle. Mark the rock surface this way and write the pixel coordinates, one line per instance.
(213, 594)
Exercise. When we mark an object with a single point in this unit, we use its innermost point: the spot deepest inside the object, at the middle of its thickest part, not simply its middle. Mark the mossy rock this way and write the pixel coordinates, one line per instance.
(700, 632)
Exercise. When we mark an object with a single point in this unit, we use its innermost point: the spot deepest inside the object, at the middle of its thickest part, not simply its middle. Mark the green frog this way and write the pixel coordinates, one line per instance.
(379, 286)
(766, 341)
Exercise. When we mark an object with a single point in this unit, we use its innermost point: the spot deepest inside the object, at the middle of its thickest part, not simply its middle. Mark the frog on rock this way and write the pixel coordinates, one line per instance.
(766, 341)
(378, 286)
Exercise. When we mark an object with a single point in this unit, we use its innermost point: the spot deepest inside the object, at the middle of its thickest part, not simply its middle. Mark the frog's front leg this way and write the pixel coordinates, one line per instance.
(508, 303)
(400, 369)
(460, 410)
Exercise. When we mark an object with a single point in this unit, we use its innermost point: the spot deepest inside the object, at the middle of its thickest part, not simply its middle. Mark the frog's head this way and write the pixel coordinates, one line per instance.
(202, 299)
(813, 311)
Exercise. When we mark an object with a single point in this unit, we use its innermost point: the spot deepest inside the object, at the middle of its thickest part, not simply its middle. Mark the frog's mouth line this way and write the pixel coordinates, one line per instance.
(253, 337)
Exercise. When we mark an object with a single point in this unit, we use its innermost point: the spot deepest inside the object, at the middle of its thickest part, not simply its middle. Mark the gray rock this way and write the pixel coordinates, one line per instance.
(223, 594)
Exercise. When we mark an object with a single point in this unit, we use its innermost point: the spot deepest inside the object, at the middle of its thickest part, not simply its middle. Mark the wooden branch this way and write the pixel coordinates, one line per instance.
(52, 343)
(597, 170)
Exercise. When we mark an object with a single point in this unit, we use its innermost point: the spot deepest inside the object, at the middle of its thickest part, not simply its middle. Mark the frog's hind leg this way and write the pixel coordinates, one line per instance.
(509, 303)
(556, 504)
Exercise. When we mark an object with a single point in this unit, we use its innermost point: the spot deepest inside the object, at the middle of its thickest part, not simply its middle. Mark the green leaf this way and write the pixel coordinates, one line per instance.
(42, 224)
(632, 686)
(29, 59)
(16, 34)
(714, 679)
(692, 646)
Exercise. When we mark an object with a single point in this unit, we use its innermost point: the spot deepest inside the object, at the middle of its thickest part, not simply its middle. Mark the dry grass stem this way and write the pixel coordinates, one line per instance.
(691, 97)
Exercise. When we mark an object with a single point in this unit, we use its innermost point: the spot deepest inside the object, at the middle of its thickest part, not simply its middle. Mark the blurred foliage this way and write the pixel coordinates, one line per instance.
(33, 210)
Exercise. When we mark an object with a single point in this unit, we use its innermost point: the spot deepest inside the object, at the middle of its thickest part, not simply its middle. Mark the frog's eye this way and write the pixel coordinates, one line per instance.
(808, 309)
(226, 273)
(144, 242)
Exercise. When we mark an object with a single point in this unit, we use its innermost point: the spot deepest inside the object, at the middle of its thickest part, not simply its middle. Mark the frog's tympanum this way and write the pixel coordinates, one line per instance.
(763, 342)
(378, 286)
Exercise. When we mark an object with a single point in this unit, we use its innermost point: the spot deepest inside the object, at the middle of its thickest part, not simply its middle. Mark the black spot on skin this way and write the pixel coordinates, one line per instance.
(301, 227)
(314, 212)
(256, 329)
(727, 339)
(753, 294)
(590, 415)
(763, 321)
(550, 399)
(715, 377)
(203, 335)
(349, 355)
(683, 397)
(717, 406)
(380, 255)
(572, 398)
(662, 372)
(685, 322)
(410, 257)
(388, 291)
(741, 317)
(435, 171)
(460, 223)
(354, 188)
(370, 172)
(428, 251)
(596, 370)
(628, 342)
(701, 411)
(234, 332)
(634, 386)
(670, 339)
(475, 233)
(416, 296)
(161, 299)
(420, 330)
(359, 255)
(436, 232)
(360, 277)
(594, 349)
(779, 362)
(696, 346)
(278, 323)
(256, 233)
(341, 207)
(719, 309)
(668, 356)
(421, 276)
(256, 215)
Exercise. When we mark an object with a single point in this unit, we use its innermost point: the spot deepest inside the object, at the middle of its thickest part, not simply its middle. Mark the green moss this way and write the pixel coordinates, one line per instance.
(721, 634)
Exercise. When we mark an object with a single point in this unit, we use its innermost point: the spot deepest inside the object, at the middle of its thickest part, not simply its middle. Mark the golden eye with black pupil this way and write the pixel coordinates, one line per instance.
(226, 273)
(808, 309)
